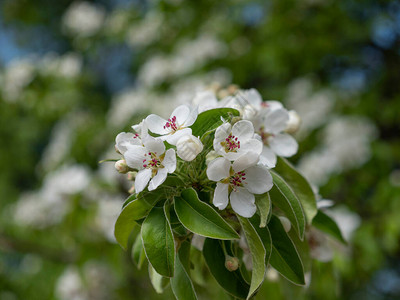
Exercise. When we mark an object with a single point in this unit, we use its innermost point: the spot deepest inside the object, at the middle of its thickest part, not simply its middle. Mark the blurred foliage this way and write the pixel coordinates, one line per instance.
(56, 110)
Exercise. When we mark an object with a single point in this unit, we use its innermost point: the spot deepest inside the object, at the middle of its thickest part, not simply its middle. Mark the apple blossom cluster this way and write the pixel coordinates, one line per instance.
(238, 150)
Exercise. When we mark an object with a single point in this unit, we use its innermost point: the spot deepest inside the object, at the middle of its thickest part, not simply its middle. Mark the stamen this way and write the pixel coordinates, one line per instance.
(171, 123)
(231, 143)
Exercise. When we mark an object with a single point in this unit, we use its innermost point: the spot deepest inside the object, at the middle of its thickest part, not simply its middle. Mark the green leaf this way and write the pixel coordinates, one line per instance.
(201, 218)
(158, 242)
(139, 208)
(158, 282)
(326, 224)
(211, 119)
(181, 285)
(138, 255)
(232, 282)
(258, 253)
(283, 196)
(263, 203)
(264, 234)
(284, 256)
(133, 211)
(300, 186)
(184, 255)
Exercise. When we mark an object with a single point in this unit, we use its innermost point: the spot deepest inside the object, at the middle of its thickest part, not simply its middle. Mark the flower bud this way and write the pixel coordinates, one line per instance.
(231, 263)
(294, 122)
(286, 223)
(121, 166)
(188, 147)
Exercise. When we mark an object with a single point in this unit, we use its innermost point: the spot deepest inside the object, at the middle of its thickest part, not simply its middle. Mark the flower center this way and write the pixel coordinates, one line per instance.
(237, 180)
(265, 135)
(171, 124)
(151, 161)
(136, 136)
(231, 144)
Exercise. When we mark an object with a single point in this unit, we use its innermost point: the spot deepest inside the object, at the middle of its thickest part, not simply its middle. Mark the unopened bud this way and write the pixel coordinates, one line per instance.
(231, 263)
(286, 223)
(188, 147)
(294, 122)
(121, 166)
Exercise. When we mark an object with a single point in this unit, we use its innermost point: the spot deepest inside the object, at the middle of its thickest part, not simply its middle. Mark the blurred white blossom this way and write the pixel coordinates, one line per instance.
(16, 76)
(109, 207)
(313, 107)
(187, 56)
(345, 145)
(69, 285)
(50, 204)
(83, 19)
(145, 31)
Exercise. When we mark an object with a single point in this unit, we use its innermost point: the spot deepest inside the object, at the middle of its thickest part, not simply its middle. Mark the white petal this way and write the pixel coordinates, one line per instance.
(169, 161)
(222, 132)
(124, 139)
(221, 195)
(258, 179)
(134, 156)
(156, 124)
(205, 100)
(142, 178)
(154, 145)
(191, 117)
(245, 161)
(158, 179)
(141, 129)
(232, 156)
(181, 113)
(273, 104)
(268, 157)
(253, 97)
(243, 130)
(218, 169)
(253, 145)
(275, 120)
(283, 145)
(174, 138)
(242, 202)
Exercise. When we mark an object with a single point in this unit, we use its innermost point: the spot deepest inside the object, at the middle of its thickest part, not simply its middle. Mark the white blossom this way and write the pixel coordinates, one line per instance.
(176, 126)
(152, 161)
(239, 181)
(83, 19)
(276, 142)
(234, 141)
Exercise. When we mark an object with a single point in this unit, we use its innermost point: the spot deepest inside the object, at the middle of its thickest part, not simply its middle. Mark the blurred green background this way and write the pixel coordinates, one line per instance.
(75, 74)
